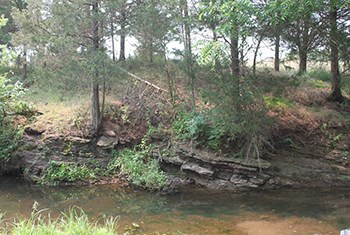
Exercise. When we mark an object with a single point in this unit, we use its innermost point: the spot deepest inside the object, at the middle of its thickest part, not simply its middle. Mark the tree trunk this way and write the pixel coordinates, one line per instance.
(277, 52)
(302, 60)
(304, 45)
(235, 68)
(256, 54)
(25, 64)
(170, 80)
(188, 53)
(113, 43)
(150, 52)
(122, 34)
(95, 98)
(336, 94)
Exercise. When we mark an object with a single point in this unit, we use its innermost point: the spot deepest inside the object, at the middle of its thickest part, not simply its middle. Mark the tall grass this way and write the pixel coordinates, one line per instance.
(320, 74)
(73, 222)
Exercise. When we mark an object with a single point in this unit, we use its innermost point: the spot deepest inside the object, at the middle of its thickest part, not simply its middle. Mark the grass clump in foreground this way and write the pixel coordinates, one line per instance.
(74, 222)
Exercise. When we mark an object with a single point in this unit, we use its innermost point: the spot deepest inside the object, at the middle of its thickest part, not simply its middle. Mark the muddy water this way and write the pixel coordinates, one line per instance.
(193, 211)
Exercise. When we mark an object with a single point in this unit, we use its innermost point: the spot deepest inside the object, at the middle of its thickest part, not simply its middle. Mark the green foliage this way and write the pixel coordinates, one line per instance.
(155, 32)
(333, 138)
(9, 93)
(230, 17)
(73, 222)
(346, 82)
(212, 52)
(190, 125)
(237, 120)
(273, 102)
(66, 172)
(320, 74)
(196, 126)
(139, 166)
(317, 83)
(9, 141)
(23, 108)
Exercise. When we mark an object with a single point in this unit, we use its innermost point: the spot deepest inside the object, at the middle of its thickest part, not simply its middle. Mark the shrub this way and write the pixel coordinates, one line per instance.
(191, 126)
(320, 74)
(9, 138)
(66, 171)
(140, 168)
(23, 108)
(9, 135)
(235, 121)
(277, 102)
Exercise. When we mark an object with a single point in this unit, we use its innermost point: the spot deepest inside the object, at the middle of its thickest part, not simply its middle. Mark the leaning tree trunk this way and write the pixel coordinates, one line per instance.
(336, 94)
(261, 37)
(277, 52)
(95, 98)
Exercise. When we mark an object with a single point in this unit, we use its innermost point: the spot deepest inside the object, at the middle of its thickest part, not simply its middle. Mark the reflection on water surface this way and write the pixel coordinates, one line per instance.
(193, 211)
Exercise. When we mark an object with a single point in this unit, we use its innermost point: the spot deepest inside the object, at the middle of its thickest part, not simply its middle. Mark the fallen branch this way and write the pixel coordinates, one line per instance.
(143, 81)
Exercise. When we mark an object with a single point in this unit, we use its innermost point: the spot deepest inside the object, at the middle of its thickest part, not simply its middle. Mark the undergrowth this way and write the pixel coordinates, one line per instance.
(242, 133)
(9, 142)
(138, 165)
(197, 127)
(66, 172)
(10, 93)
(140, 168)
(273, 102)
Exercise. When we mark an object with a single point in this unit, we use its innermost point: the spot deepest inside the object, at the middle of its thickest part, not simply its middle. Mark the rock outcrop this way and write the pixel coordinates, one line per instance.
(294, 167)
(213, 171)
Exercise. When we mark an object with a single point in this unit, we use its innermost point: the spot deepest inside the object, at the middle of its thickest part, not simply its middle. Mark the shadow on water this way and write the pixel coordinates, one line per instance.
(192, 210)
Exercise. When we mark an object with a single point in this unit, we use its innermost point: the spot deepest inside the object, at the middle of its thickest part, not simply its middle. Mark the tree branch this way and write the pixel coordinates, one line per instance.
(143, 81)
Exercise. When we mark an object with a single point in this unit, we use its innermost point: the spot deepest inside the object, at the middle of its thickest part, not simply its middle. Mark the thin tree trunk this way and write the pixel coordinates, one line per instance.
(216, 61)
(256, 54)
(277, 52)
(25, 64)
(170, 81)
(122, 34)
(113, 42)
(103, 98)
(95, 98)
(188, 53)
(336, 94)
(150, 52)
(235, 67)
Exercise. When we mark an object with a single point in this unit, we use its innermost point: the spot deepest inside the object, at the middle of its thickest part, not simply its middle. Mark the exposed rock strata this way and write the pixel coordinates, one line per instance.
(289, 167)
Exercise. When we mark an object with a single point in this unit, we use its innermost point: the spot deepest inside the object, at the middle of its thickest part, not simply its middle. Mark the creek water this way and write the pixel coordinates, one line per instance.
(192, 211)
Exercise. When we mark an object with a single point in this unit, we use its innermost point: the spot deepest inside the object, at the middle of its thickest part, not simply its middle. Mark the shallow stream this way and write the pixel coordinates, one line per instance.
(193, 211)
